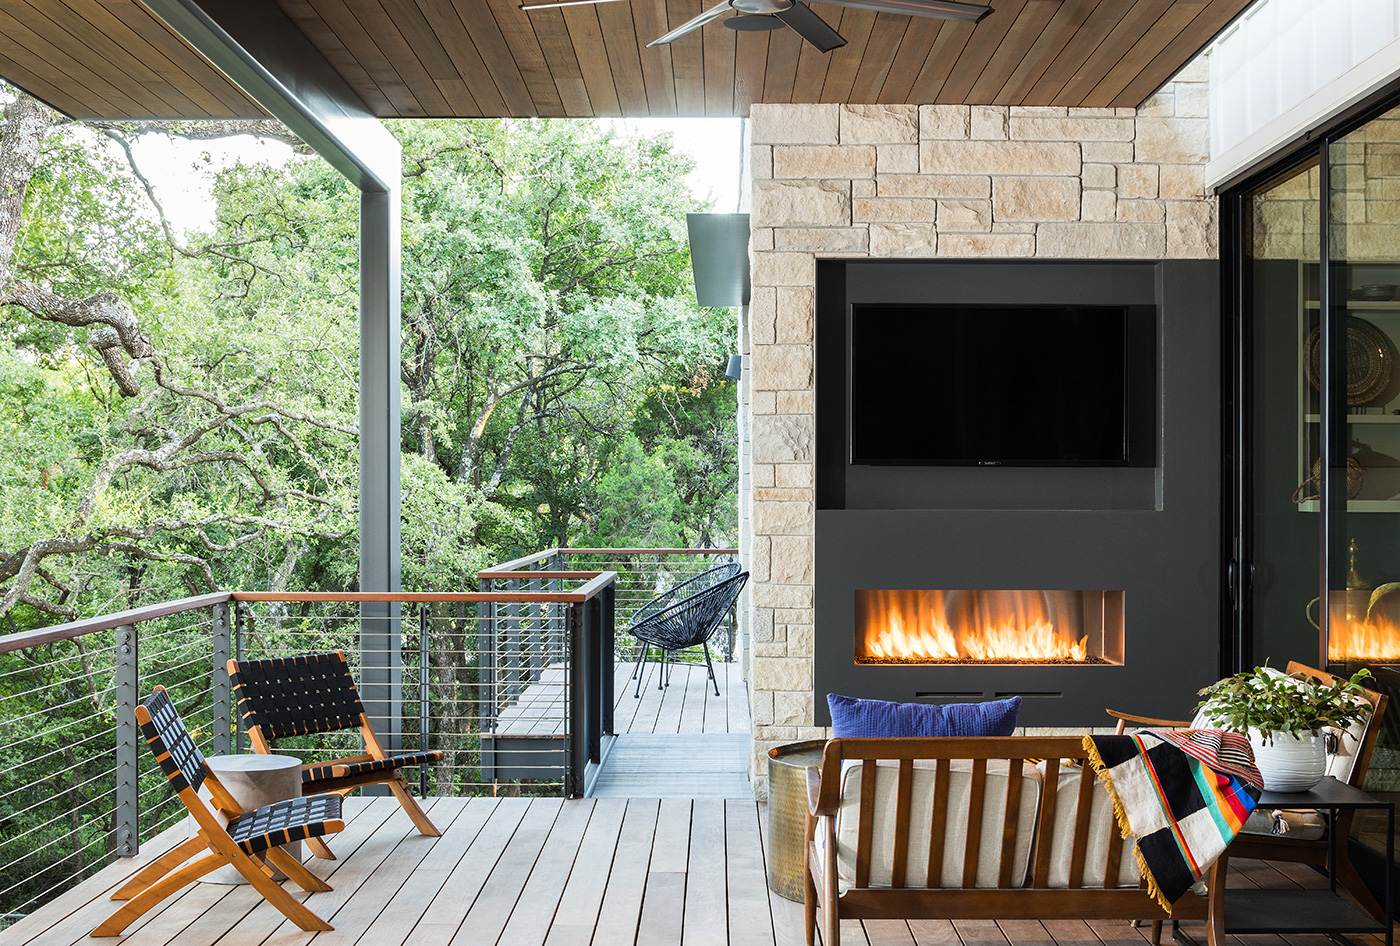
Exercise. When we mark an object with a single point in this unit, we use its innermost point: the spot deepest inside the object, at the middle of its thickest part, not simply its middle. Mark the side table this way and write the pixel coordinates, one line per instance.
(787, 814)
(254, 780)
(1313, 911)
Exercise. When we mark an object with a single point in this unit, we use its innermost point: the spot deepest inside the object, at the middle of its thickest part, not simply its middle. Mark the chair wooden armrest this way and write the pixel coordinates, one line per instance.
(1148, 721)
(814, 788)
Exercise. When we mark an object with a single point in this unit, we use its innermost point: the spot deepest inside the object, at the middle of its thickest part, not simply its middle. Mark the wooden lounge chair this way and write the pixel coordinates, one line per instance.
(248, 843)
(315, 693)
(1307, 845)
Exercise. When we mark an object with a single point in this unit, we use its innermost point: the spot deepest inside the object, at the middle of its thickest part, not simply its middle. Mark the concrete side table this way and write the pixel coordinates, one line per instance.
(787, 814)
(255, 780)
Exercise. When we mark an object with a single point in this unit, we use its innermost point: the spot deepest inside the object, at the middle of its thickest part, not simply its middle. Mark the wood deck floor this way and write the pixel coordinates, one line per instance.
(687, 705)
(545, 872)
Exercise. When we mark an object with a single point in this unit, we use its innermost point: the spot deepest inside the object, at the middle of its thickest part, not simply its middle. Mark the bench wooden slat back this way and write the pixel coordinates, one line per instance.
(1040, 875)
(988, 760)
(865, 831)
(901, 822)
(942, 773)
(1008, 824)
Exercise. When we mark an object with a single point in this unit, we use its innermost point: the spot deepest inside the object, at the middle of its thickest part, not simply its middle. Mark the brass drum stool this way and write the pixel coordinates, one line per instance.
(787, 813)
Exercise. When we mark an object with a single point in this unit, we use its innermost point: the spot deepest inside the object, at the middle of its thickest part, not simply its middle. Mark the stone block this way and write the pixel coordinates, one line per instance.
(863, 188)
(780, 494)
(1192, 100)
(760, 558)
(795, 475)
(783, 269)
(761, 162)
(813, 161)
(1100, 176)
(761, 474)
(796, 305)
(1071, 128)
(782, 596)
(774, 648)
(879, 124)
(1161, 105)
(1107, 152)
(897, 159)
(1098, 205)
(1137, 181)
(1197, 70)
(903, 239)
(805, 204)
(1003, 226)
(792, 708)
(988, 122)
(797, 402)
(1144, 211)
(776, 518)
(944, 121)
(1171, 141)
(964, 216)
(987, 244)
(782, 438)
(795, 124)
(894, 209)
(1101, 240)
(822, 239)
(782, 674)
(760, 239)
(763, 314)
(763, 402)
(1085, 112)
(1035, 198)
(1038, 111)
(1192, 231)
(761, 625)
(800, 640)
(792, 559)
(1181, 182)
(782, 367)
(935, 185)
(999, 157)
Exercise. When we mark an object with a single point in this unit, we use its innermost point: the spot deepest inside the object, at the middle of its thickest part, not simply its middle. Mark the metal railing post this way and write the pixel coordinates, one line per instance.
(238, 655)
(424, 706)
(220, 691)
(576, 702)
(127, 814)
(514, 671)
(486, 679)
(608, 639)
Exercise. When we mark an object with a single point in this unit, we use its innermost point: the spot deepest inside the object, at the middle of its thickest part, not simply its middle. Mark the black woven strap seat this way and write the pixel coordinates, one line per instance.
(283, 822)
(309, 694)
(686, 615)
(321, 773)
(228, 836)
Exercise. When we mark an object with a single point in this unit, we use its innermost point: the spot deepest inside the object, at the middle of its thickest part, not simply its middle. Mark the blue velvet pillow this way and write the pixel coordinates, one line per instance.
(853, 718)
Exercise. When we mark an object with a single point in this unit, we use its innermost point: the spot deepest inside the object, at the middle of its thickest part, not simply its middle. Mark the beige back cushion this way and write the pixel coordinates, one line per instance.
(921, 824)
(1102, 825)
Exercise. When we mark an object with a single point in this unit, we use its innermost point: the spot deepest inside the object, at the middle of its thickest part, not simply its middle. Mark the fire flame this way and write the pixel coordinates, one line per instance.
(971, 626)
(1358, 639)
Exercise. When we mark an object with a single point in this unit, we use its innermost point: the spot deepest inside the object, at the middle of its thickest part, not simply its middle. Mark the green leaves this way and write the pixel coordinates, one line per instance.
(1270, 701)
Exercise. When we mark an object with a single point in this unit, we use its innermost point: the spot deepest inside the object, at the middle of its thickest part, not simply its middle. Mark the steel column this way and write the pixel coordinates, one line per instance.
(220, 633)
(127, 815)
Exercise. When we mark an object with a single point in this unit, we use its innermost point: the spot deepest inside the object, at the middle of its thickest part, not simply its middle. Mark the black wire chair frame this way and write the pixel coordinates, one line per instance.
(685, 616)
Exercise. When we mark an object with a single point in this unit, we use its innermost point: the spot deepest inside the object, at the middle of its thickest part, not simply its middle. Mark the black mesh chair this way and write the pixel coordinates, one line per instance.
(248, 842)
(315, 693)
(685, 616)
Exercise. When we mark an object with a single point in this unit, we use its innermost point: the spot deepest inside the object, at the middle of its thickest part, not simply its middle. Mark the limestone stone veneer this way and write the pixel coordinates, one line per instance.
(921, 181)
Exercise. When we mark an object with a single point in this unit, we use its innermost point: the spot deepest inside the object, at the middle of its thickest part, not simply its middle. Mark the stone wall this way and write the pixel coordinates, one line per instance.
(922, 181)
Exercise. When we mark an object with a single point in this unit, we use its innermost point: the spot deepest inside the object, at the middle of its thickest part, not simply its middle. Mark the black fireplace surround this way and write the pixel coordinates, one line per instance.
(1152, 533)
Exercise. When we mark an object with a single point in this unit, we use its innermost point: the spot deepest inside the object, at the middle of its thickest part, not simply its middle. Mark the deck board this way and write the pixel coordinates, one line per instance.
(545, 872)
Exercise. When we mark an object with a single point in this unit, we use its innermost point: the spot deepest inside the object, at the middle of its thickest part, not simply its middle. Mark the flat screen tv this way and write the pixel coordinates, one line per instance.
(1002, 385)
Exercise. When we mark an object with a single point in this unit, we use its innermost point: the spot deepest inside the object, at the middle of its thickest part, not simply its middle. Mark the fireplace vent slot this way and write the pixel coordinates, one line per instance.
(942, 695)
(1030, 694)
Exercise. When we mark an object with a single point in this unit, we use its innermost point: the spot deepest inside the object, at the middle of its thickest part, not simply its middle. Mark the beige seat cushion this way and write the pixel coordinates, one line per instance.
(921, 822)
(1102, 825)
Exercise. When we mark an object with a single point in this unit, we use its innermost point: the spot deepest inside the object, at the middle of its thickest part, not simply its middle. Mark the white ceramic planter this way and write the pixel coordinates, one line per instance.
(1292, 763)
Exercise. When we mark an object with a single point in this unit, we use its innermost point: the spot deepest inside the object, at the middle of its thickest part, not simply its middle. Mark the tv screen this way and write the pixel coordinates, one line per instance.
(1023, 385)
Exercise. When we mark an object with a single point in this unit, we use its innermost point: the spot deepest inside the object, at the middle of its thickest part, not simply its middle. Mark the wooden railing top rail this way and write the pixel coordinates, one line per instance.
(105, 622)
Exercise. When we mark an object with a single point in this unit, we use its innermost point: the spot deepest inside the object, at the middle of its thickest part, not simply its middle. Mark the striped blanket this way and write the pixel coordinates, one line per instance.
(1184, 794)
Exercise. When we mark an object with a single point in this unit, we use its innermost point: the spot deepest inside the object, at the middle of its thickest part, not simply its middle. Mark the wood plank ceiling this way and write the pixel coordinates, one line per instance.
(470, 58)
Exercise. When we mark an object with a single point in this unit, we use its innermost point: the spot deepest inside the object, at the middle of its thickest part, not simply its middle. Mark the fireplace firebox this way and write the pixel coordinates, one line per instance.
(977, 626)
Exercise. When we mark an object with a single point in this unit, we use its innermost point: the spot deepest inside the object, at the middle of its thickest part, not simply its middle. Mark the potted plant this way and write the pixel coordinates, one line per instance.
(1284, 716)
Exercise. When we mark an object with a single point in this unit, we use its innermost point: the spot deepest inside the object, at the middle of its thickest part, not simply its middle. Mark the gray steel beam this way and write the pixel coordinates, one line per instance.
(263, 52)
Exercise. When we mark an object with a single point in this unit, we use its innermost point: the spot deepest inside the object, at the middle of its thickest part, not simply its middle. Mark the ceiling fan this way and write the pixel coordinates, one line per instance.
(797, 16)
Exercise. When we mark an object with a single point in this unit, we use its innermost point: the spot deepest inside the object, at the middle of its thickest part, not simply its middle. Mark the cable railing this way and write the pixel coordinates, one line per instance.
(512, 683)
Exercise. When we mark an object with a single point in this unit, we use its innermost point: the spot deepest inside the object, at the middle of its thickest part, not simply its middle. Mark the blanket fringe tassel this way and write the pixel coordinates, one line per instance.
(1101, 771)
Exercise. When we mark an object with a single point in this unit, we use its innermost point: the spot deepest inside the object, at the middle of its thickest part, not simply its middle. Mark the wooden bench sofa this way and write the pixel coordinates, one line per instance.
(958, 828)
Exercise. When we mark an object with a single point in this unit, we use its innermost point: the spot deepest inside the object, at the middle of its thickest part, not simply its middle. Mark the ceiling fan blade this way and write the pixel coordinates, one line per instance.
(811, 27)
(713, 13)
(937, 9)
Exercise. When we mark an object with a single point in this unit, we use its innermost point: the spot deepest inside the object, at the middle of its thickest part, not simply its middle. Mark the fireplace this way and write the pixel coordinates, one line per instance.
(989, 626)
